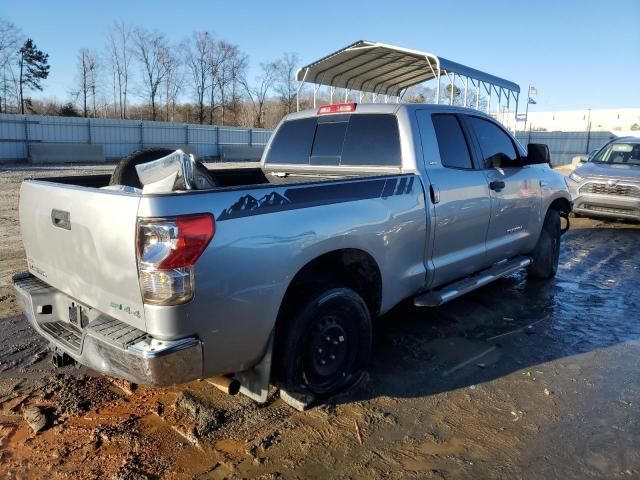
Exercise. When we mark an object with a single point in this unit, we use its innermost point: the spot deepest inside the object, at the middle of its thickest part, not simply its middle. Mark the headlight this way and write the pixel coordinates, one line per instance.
(576, 178)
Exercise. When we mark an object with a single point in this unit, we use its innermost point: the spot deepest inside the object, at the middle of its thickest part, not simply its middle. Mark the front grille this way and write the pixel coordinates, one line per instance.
(599, 188)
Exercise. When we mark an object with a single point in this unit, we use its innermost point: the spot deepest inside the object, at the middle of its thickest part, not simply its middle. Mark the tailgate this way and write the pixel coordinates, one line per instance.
(82, 241)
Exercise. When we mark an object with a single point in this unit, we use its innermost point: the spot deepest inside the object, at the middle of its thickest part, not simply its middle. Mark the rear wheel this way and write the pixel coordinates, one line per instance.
(546, 255)
(324, 346)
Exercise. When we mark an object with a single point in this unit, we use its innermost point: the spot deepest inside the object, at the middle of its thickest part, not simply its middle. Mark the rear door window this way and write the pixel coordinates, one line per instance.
(454, 151)
(369, 139)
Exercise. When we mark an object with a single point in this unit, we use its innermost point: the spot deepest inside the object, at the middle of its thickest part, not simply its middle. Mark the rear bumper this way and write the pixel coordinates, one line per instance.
(104, 343)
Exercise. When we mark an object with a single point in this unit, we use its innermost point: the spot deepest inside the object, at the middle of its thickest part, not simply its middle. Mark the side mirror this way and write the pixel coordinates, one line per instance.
(537, 153)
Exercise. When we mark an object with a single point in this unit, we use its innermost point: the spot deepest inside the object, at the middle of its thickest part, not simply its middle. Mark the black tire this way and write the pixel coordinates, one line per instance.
(324, 346)
(546, 255)
(125, 172)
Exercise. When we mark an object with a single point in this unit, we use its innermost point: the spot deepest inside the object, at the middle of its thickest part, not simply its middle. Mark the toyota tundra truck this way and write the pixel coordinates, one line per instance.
(274, 275)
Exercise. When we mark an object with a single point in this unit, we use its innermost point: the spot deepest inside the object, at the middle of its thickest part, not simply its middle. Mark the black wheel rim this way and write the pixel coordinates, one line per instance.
(331, 352)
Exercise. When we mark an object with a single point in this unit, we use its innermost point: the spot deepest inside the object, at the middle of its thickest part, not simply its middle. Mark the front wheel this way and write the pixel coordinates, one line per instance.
(324, 346)
(546, 255)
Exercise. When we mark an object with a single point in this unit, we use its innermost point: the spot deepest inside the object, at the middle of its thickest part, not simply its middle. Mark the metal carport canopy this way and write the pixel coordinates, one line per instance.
(389, 70)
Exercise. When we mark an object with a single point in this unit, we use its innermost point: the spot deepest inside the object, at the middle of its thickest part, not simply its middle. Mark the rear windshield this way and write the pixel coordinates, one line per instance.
(367, 139)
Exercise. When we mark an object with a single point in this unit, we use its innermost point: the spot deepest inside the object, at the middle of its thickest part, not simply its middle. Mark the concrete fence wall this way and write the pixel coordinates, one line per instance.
(118, 138)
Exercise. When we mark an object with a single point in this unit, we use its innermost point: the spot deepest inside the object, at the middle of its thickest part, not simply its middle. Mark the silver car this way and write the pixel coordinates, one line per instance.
(608, 185)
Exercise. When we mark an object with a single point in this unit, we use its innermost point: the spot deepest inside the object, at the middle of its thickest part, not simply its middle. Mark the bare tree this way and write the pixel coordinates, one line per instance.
(285, 82)
(218, 58)
(88, 77)
(199, 50)
(259, 92)
(152, 50)
(173, 83)
(120, 54)
(230, 77)
(10, 39)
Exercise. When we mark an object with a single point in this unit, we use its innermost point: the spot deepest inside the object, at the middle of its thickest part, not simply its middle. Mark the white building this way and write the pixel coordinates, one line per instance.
(619, 121)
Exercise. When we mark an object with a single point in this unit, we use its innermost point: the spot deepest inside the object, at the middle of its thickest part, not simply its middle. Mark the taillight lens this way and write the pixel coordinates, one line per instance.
(167, 250)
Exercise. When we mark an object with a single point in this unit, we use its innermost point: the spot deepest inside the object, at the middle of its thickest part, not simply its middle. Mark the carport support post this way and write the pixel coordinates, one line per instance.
(515, 123)
(588, 132)
(453, 87)
(300, 85)
(466, 88)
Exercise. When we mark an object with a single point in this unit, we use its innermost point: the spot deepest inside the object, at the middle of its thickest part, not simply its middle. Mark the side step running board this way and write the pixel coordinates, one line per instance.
(480, 279)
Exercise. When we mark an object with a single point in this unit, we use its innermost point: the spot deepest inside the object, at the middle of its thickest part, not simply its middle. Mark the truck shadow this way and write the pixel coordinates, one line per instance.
(512, 324)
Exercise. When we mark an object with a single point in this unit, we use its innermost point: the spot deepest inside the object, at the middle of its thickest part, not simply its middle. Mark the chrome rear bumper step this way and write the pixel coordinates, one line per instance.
(105, 343)
(436, 298)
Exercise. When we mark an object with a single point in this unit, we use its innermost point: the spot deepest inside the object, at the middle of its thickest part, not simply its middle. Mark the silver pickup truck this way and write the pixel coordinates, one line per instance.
(276, 274)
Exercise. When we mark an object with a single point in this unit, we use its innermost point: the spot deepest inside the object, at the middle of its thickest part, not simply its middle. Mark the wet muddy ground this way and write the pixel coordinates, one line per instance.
(517, 380)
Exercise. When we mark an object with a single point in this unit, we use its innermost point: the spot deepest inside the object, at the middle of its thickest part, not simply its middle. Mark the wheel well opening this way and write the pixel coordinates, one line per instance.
(562, 205)
(351, 268)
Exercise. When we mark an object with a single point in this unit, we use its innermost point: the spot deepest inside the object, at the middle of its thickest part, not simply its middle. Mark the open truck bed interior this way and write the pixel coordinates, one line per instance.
(224, 177)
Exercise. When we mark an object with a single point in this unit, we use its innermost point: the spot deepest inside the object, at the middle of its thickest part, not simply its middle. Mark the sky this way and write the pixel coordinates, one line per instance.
(578, 54)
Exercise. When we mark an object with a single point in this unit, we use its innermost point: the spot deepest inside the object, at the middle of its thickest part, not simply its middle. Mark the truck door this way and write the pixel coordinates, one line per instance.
(515, 190)
(459, 195)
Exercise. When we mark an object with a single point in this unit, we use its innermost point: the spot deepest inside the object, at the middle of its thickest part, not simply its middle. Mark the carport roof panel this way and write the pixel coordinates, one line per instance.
(380, 68)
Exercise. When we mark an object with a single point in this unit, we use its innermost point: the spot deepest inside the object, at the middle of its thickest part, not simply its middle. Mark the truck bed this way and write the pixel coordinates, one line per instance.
(223, 176)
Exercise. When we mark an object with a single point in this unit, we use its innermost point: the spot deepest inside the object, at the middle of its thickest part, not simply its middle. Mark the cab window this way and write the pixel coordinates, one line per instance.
(496, 146)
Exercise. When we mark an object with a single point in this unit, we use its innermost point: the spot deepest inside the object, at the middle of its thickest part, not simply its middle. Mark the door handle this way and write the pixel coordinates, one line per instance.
(497, 185)
(434, 192)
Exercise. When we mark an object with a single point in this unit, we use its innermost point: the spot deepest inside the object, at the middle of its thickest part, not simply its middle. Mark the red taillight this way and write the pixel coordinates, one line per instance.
(174, 242)
(168, 248)
(337, 108)
(194, 234)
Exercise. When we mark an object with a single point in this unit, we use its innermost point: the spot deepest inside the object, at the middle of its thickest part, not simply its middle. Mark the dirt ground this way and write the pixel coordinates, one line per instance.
(516, 380)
